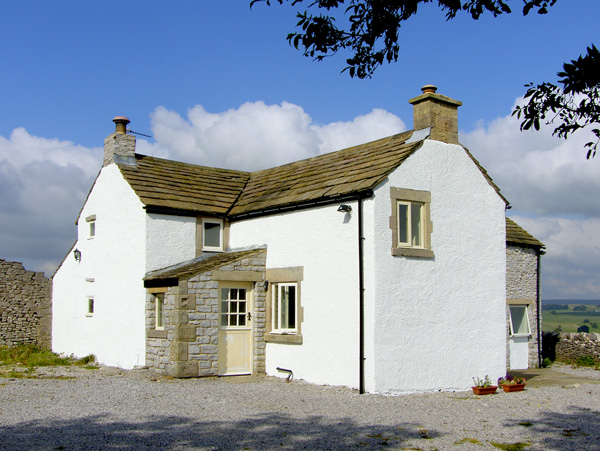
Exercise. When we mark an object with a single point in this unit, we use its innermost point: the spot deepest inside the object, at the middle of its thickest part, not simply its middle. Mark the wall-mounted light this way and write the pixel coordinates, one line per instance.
(77, 255)
(344, 208)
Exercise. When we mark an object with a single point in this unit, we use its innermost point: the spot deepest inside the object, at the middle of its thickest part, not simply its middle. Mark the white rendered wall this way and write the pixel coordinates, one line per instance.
(323, 241)
(114, 259)
(441, 321)
(169, 240)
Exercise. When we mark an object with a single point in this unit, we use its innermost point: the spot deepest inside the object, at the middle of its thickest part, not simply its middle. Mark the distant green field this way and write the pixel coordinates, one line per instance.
(569, 320)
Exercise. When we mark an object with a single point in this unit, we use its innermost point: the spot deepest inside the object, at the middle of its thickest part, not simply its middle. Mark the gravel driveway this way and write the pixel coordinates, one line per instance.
(111, 409)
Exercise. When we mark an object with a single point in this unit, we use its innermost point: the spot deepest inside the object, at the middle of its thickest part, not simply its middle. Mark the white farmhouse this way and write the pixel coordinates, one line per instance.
(380, 267)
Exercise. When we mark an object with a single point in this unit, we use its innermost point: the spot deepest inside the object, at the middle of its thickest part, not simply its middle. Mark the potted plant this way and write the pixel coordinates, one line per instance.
(510, 383)
(483, 386)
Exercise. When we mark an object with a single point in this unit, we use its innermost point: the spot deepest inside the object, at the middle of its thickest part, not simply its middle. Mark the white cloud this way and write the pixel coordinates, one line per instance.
(43, 183)
(554, 192)
(257, 136)
(537, 172)
(571, 267)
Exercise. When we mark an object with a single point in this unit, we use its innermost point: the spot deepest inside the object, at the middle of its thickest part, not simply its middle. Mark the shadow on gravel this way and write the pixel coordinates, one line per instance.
(578, 429)
(265, 432)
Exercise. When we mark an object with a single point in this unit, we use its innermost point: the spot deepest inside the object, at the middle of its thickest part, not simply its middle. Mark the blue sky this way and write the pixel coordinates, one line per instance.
(216, 83)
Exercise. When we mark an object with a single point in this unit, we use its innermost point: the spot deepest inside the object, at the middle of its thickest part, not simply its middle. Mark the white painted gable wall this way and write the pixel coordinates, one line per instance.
(438, 323)
(114, 258)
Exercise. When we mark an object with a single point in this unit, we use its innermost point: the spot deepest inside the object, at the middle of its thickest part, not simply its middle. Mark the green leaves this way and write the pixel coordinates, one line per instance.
(573, 106)
(369, 29)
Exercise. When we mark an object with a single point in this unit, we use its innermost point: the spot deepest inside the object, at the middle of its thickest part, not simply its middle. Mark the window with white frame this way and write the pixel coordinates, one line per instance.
(519, 320)
(159, 311)
(410, 223)
(212, 235)
(90, 306)
(284, 307)
(91, 220)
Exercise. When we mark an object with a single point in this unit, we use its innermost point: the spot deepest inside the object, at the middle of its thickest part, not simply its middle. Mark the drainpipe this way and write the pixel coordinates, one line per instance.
(539, 302)
(361, 295)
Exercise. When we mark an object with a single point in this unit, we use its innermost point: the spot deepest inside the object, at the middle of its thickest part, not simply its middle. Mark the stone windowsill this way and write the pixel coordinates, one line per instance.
(283, 338)
(153, 333)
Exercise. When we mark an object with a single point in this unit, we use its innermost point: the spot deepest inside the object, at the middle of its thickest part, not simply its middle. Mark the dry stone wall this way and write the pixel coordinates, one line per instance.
(25, 306)
(573, 346)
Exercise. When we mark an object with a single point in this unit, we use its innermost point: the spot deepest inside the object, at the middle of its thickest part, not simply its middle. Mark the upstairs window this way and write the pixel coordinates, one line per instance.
(90, 307)
(284, 308)
(212, 235)
(410, 223)
(91, 220)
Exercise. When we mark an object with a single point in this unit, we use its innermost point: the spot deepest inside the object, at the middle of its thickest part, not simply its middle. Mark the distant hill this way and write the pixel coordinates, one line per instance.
(571, 301)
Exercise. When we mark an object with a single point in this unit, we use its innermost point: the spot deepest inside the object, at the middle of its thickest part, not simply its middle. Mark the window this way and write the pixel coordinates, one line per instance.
(90, 307)
(410, 223)
(91, 220)
(519, 320)
(159, 311)
(284, 307)
(212, 235)
(234, 308)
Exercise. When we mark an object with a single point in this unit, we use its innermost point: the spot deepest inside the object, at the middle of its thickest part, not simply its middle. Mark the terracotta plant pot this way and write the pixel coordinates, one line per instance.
(485, 390)
(512, 387)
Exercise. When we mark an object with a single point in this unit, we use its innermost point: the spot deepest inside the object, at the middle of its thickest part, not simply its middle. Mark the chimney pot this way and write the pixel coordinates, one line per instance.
(121, 124)
(429, 88)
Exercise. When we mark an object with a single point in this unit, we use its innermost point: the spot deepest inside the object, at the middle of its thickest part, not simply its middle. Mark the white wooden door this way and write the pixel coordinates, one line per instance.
(235, 328)
(518, 348)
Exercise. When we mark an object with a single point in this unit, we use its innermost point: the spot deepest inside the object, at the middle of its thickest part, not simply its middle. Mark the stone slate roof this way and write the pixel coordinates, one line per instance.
(171, 185)
(515, 234)
(180, 188)
(329, 176)
(206, 262)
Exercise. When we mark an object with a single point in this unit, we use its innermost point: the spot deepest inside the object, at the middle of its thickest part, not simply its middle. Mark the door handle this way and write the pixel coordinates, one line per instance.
(249, 316)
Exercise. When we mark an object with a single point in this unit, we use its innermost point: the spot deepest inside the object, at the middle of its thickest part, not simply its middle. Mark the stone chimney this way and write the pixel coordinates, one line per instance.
(438, 112)
(119, 147)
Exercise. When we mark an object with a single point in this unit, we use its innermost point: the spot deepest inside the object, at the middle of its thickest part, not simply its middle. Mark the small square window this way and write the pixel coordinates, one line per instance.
(212, 235)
